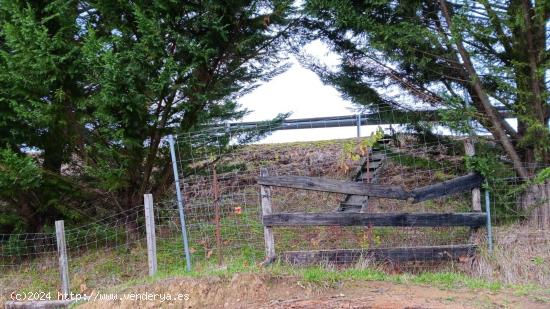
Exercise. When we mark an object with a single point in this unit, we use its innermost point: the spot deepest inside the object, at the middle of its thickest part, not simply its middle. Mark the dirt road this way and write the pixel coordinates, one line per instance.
(262, 291)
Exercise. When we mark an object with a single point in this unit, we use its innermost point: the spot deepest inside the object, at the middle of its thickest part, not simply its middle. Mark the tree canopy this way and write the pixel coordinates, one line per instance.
(91, 87)
(446, 55)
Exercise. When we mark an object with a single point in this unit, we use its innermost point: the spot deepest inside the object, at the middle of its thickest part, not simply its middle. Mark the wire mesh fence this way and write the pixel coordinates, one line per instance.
(23, 257)
(218, 173)
(401, 159)
(102, 253)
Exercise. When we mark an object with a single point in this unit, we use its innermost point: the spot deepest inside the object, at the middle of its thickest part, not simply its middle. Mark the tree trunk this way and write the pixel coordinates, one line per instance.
(535, 201)
(497, 129)
(34, 223)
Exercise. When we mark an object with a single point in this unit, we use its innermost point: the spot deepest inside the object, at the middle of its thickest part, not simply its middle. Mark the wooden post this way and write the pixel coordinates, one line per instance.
(476, 193)
(150, 231)
(62, 255)
(489, 224)
(265, 195)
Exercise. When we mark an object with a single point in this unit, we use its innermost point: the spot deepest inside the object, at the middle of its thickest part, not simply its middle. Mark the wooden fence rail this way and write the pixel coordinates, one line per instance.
(335, 186)
(455, 185)
(397, 254)
(432, 253)
(375, 219)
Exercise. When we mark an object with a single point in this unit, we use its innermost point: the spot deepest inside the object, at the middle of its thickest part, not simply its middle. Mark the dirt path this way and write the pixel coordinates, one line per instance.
(261, 291)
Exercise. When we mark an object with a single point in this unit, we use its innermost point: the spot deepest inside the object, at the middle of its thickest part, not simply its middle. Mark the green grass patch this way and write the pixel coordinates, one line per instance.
(417, 162)
(451, 280)
(327, 276)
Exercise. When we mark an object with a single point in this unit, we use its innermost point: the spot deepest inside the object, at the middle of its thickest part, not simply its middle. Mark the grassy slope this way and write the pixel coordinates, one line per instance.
(123, 266)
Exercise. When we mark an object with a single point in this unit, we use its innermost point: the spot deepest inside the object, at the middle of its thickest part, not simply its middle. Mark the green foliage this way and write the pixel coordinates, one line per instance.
(411, 47)
(500, 182)
(374, 138)
(542, 176)
(457, 116)
(14, 246)
(17, 173)
(92, 87)
(353, 150)
(96, 232)
(418, 162)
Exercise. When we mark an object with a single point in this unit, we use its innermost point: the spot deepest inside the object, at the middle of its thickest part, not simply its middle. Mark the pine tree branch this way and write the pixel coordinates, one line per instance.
(497, 129)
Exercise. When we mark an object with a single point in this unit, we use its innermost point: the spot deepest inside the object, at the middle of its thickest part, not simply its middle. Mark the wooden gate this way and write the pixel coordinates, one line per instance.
(397, 254)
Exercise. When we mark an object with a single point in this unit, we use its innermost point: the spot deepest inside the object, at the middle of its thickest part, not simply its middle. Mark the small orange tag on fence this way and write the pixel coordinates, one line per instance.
(238, 210)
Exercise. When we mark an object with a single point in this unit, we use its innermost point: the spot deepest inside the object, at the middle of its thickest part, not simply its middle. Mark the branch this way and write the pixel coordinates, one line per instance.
(495, 22)
(492, 114)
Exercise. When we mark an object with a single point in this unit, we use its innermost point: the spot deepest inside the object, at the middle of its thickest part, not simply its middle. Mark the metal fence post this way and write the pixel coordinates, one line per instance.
(180, 203)
(358, 125)
(150, 231)
(62, 255)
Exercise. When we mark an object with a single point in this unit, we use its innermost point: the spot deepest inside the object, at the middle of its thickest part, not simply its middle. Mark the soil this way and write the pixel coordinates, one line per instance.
(265, 291)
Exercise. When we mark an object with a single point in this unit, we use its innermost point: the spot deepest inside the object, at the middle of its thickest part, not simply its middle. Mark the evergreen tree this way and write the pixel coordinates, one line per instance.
(443, 54)
(40, 95)
(92, 87)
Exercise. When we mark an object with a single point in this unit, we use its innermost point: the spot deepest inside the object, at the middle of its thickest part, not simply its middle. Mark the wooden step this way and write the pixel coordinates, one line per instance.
(353, 203)
(395, 254)
(349, 207)
(372, 165)
(366, 178)
(377, 157)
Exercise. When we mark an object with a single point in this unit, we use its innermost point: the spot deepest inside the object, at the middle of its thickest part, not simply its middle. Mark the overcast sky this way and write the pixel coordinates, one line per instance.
(300, 92)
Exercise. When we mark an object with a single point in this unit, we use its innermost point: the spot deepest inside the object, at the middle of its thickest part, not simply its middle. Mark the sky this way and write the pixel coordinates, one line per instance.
(297, 90)
(300, 92)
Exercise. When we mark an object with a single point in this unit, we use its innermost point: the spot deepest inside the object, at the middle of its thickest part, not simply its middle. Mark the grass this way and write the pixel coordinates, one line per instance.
(122, 267)
(331, 277)
(444, 280)
(418, 162)
(125, 266)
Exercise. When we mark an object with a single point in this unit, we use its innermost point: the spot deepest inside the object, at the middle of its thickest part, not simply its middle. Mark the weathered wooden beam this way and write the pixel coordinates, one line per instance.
(470, 150)
(62, 256)
(150, 234)
(399, 254)
(335, 186)
(265, 200)
(375, 219)
(455, 185)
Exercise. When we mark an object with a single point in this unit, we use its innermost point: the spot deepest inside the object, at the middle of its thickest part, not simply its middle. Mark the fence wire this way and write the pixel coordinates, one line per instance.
(403, 159)
(218, 172)
(102, 253)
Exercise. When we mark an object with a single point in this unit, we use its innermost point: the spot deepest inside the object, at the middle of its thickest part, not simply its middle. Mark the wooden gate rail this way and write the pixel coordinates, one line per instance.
(473, 220)
(396, 254)
(437, 253)
(335, 186)
(455, 185)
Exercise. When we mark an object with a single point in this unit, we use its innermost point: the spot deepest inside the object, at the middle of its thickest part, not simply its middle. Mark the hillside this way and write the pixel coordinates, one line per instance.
(106, 254)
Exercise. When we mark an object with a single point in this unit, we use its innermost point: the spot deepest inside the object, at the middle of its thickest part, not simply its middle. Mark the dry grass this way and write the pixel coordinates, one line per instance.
(521, 255)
